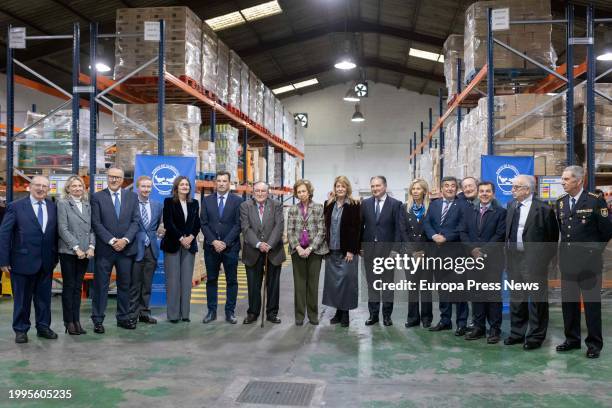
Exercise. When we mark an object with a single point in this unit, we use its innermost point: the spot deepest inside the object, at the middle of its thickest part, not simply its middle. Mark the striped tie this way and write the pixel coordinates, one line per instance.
(445, 208)
(145, 221)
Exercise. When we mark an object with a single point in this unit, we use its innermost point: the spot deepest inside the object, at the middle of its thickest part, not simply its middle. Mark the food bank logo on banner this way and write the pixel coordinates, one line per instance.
(163, 170)
(501, 170)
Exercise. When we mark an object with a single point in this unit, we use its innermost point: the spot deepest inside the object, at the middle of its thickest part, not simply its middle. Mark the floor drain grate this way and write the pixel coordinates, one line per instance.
(277, 393)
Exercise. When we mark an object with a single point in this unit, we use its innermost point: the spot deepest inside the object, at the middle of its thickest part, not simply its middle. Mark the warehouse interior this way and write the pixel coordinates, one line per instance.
(252, 87)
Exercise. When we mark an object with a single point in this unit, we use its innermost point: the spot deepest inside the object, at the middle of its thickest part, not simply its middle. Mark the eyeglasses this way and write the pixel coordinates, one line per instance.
(516, 187)
(260, 191)
(115, 178)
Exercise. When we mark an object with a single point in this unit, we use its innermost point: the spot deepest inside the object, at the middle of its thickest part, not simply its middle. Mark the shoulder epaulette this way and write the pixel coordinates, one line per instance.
(562, 196)
(593, 195)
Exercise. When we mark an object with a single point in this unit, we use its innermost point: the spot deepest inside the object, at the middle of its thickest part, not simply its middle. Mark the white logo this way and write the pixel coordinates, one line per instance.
(163, 177)
(505, 174)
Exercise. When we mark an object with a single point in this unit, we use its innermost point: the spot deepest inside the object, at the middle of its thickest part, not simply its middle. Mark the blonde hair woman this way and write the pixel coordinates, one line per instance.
(306, 236)
(343, 227)
(414, 239)
(76, 246)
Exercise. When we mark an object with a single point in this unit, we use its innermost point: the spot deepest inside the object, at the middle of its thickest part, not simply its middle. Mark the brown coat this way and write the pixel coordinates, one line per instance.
(350, 226)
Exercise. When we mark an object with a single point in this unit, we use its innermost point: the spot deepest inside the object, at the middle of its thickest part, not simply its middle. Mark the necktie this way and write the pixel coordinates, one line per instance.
(117, 204)
(39, 215)
(261, 212)
(515, 222)
(221, 206)
(445, 207)
(483, 210)
(145, 221)
(573, 204)
(377, 209)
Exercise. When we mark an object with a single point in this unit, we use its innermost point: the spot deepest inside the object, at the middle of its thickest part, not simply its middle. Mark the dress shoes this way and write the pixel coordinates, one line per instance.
(372, 320)
(461, 331)
(440, 327)
(231, 318)
(531, 346)
(273, 319)
(250, 318)
(426, 324)
(592, 353)
(344, 321)
(337, 317)
(80, 328)
(210, 316)
(71, 329)
(47, 334)
(21, 337)
(412, 324)
(387, 321)
(173, 321)
(186, 320)
(299, 322)
(147, 319)
(126, 324)
(510, 341)
(314, 322)
(99, 328)
(566, 346)
(475, 334)
(494, 337)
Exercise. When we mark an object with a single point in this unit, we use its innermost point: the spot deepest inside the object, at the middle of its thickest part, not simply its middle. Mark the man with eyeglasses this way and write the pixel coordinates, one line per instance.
(115, 218)
(531, 236)
(262, 222)
(28, 252)
(585, 231)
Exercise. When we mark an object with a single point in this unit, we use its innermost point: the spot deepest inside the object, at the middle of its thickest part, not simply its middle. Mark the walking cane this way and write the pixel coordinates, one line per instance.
(265, 290)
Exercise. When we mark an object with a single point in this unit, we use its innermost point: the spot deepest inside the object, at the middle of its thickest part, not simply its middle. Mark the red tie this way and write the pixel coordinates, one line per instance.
(261, 210)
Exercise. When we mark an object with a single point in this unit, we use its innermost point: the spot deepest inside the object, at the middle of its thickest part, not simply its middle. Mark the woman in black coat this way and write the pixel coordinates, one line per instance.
(343, 227)
(182, 223)
(414, 242)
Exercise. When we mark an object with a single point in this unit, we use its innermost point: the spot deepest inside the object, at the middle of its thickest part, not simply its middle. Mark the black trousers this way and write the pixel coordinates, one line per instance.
(255, 275)
(26, 288)
(378, 250)
(581, 274)
(102, 273)
(73, 272)
(528, 318)
(213, 261)
(424, 312)
(140, 285)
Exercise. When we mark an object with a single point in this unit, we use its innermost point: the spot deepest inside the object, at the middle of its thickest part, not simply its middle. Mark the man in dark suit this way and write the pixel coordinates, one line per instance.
(586, 229)
(442, 226)
(147, 252)
(531, 237)
(220, 223)
(115, 219)
(2, 211)
(262, 224)
(469, 191)
(380, 234)
(28, 251)
(483, 232)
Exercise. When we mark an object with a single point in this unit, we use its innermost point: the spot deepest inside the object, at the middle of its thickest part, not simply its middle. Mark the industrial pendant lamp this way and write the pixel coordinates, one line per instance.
(606, 53)
(346, 61)
(351, 95)
(357, 116)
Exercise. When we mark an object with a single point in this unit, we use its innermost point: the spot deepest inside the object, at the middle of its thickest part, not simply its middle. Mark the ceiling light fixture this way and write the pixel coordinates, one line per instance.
(303, 84)
(351, 95)
(283, 89)
(262, 10)
(432, 56)
(357, 116)
(606, 53)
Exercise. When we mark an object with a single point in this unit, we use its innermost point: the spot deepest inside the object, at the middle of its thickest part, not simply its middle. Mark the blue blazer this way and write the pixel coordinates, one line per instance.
(107, 226)
(225, 228)
(23, 245)
(150, 231)
(452, 224)
(491, 230)
(386, 228)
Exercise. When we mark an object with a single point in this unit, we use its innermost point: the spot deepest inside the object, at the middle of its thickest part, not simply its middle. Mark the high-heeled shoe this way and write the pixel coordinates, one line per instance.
(80, 328)
(71, 329)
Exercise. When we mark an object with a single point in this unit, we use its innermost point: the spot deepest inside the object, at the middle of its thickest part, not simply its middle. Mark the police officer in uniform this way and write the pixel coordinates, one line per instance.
(585, 230)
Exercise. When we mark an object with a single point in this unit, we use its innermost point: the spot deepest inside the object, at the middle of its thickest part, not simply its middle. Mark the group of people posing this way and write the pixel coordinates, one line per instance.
(119, 229)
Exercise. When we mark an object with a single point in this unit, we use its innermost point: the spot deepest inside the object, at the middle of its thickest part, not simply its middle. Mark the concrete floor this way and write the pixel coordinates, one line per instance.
(197, 365)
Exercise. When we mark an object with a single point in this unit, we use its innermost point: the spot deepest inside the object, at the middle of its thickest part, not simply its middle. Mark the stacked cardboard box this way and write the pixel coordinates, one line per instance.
(256, 98)
(226, 149)
(288, 127)
(181, 131)
(533, 40)
(183, 42)
(223, 54)
(209, 58)
(453, 50)
(602, 128)
(272, 166)
(269, 105)
(278, 118)
(245, 88)
(207, 156)
(428, 168)
(235, 66)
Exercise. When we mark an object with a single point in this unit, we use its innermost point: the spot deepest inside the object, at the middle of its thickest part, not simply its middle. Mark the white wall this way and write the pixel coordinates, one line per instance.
(392, 115)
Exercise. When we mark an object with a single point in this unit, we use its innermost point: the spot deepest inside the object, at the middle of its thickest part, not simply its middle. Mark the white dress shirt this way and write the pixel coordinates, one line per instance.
(224, 199)
(526, 206)
(78, 203)
(184, 206)
(44, 210)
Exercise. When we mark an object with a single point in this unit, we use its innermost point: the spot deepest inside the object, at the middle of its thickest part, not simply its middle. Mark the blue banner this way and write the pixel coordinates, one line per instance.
(163, 170)
(501, 170)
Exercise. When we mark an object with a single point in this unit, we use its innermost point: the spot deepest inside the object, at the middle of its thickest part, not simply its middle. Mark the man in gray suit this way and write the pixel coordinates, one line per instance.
(262, 222)
(114, 218)
(147, 252)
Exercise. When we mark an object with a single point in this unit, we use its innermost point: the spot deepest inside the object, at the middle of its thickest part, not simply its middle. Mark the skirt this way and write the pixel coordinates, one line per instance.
(341, 287)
